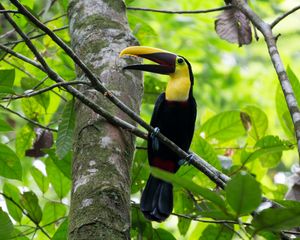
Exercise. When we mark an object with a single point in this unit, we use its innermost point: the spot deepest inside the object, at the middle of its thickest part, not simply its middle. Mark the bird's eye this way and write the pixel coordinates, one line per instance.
(180, 60)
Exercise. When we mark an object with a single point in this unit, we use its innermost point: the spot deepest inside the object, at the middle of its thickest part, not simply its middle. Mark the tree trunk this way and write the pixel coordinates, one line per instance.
(100, 201)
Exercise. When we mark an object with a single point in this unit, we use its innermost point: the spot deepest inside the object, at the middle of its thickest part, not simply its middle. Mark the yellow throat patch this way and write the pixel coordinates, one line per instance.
(179, 85)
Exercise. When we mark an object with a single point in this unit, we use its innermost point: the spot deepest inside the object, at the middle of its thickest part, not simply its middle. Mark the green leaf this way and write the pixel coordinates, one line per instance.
(183, 204)
(7, 77)
(52, 211)
(281, 106)
(243, 194)
(276, 219)
(32, 108)
(65, 132)
(140, 169)
(259, 122)
(60, 183)
(4, 126)
(224, 126)
(217, 232)
(30, 203)
(140, 28)
(269, 150)
(64, 164)
(24, 139)
(183, 225)
(41, 180)
(30, 84)
(189, 185)
(13, 192)
(153, 88)
(140, 223)
(10, 166)
(62, 232)
(6, 226)
(205, 150)
(159, 234)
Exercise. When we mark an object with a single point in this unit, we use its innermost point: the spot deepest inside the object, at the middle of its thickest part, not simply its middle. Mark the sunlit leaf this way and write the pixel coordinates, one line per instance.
(202, 148)
(243, 194)
(268, 149)
(259, 122)
(224, 126)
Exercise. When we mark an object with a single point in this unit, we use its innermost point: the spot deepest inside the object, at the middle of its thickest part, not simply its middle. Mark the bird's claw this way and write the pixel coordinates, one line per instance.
(155, 141)
(187, 160)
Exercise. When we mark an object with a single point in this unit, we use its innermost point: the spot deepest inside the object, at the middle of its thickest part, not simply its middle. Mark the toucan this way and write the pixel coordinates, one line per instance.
(174, 116)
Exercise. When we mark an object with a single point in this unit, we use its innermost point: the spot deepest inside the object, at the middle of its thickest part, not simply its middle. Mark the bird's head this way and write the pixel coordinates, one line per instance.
(177, 67)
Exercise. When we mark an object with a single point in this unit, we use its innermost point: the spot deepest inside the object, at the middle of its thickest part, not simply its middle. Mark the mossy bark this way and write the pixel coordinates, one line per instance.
(100, 202)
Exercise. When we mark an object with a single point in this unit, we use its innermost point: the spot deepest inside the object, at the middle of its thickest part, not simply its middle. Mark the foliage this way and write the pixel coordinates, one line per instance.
(243, 127)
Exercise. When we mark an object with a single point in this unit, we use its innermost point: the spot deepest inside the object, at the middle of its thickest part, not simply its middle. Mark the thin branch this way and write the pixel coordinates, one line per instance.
(277, 20)
(34, 93)
(36, 36)
(27, 119)
(179, 12)
(270, 40)
(9, 11)
(20, 56)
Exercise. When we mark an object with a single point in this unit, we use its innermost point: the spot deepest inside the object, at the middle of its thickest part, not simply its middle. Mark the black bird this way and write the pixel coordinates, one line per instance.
(174, 116)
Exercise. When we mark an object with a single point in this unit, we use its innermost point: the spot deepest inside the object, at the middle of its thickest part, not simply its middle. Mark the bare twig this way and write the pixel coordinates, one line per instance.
(277, 20)
(179, 12)
(27, 119)
(270, 40)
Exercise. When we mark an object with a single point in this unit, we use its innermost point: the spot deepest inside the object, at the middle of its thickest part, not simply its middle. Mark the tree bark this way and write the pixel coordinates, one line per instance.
(100, 201)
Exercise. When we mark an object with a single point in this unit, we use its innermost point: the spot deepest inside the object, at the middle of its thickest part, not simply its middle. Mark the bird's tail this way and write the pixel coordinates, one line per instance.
(157, 199)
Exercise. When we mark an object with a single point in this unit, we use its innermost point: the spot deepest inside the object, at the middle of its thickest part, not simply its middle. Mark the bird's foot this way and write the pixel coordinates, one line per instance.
(155, 141)
(187, 160)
